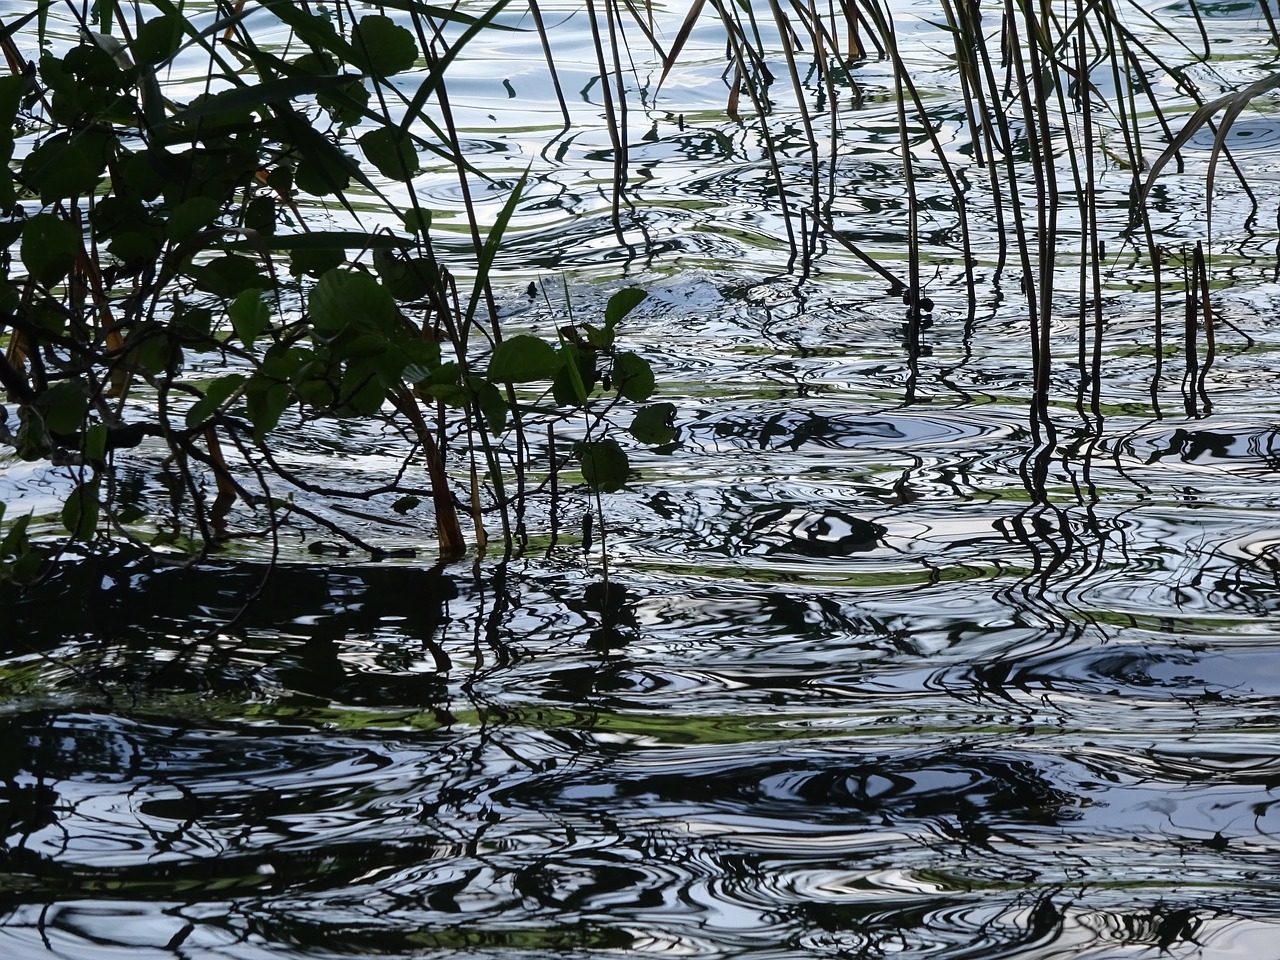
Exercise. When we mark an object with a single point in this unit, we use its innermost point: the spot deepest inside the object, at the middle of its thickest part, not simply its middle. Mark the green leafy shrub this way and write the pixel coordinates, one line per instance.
(157, 240)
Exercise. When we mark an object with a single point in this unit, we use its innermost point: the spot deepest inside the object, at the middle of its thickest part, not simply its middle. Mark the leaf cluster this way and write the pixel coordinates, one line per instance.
(158, 241)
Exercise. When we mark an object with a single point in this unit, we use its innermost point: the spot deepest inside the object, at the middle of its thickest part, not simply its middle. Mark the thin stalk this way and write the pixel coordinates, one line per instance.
(1091, 245)
(966, 70)
(798, 92)
(464, 186)
(998, 141)
(448, 530)
(1191, 326)
(1206, 316)
(740, 58)
(1271, 23)
(536, 12)
(622, 158)
(615, 110)
(1015, 198)
(957, 191)
(1157, 323)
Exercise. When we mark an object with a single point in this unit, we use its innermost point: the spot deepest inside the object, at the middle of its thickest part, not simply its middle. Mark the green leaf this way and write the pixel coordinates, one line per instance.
(49, 248)
(93, 63)
(406, 279)
(421, 358)
(569, 389)
(315, 263)
(31, 442)
(317, 391)
(265, 401)
(15, 541)
(10, 232)
(110, 215)
(604, 464)
(150, 348)
(446, 373)
(19, 561)
(633, 377)
(417, 221)
(260, 214)
(346, 104)
(269, 392)
(523, 358)
(64, 166)
(249, 315)
(189, 216)
(229, 276)
(492, 403)
(131, 247)
(235, 101)
(381, 47)
(391, 151)
(130, 514)
(654, 424)
(54, 74)
(365, 346)
(45, 316)
(89, 85)
(214, 397)
(63, 407)
(450, 394)
(148, 174)
(365, 384)
(598, 337)
(350, 300)
(26, 566)
(194, 325)
(95, 443)
(405, 504)
(324, 169)
(622, 303)
(11, 88)
(315, 64)
(366, 393)
(157, 40)
(80, 512)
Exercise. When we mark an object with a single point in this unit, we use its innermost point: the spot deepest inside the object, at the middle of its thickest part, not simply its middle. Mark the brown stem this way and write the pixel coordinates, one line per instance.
(452, 543)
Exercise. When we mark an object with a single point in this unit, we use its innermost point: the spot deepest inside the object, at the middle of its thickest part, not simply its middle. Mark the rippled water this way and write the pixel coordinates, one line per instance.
(872, 674)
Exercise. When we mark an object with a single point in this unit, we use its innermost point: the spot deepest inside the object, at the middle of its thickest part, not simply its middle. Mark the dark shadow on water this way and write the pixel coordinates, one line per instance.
(139, 623)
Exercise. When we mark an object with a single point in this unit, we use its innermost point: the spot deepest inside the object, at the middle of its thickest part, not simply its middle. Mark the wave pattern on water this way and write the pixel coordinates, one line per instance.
(850, 690)
(875, 671)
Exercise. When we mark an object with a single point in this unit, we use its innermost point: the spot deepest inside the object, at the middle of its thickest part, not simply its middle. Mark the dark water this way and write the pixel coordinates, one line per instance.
(407, 763)
(874, 674)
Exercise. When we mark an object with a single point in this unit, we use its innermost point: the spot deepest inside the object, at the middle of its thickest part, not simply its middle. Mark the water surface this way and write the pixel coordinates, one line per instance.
(875, 671)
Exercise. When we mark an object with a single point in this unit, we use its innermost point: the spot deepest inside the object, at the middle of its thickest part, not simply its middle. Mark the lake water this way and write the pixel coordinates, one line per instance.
(874, 673)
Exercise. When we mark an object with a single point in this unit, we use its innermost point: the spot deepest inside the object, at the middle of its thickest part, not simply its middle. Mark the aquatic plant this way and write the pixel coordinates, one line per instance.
(175, 290)
(179, 288)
